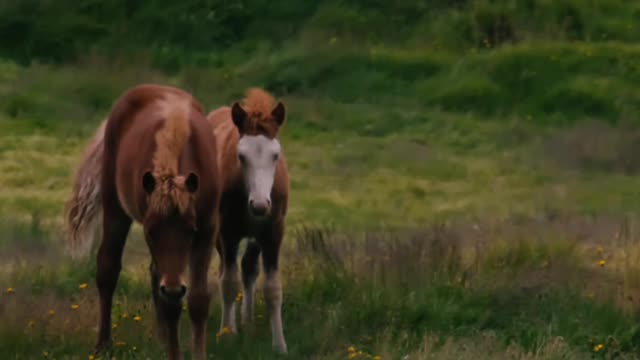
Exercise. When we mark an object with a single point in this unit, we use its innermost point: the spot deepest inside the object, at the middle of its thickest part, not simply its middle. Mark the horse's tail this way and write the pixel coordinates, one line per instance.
(83, 210)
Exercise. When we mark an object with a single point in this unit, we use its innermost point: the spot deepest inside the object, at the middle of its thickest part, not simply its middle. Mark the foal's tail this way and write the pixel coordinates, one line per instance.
(83, 210)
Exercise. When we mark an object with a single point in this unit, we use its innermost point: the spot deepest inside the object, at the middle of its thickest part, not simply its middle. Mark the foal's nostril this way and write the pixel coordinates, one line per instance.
(259, 209)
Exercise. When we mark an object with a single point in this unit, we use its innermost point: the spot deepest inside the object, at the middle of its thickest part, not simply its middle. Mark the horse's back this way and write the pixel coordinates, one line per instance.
(127, 109)
(133, 128)
(226, 137)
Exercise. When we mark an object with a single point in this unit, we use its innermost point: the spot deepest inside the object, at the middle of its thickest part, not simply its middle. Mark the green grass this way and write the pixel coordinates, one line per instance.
(434, 149)
(413, 295)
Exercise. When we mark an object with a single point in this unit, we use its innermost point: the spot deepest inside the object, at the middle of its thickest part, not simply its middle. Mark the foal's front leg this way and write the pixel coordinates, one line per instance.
(250, 273)
(270, 242)
(199, 296)
(229, 284)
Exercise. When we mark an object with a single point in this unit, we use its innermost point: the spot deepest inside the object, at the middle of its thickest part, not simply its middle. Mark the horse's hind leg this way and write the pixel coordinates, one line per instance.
(250, 273)
(199, 296)
(116, 226)
(270, 242)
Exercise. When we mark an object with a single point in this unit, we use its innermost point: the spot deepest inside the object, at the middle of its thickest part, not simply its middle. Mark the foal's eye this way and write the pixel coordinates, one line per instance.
(276, 156)
(242, 158)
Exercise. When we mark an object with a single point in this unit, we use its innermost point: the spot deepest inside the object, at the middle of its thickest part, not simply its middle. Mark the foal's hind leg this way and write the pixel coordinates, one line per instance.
(270, 242)
(250, 273)
(116, 226)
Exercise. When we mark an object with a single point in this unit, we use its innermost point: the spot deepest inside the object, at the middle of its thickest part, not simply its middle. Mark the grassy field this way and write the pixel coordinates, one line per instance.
(463, 186)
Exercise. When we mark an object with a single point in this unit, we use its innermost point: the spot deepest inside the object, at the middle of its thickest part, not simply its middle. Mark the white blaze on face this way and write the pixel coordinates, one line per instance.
(258, 156)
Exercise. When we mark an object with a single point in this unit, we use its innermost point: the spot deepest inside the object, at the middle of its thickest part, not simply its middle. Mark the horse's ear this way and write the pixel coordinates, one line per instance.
(148, 182)
(278, 113)
(238, 115)
(191, 183)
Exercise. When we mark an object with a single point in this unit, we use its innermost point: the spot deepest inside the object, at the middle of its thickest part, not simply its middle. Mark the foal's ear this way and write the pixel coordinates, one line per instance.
(278, 113)
(191, 183)
(148, 182)
(238, 115)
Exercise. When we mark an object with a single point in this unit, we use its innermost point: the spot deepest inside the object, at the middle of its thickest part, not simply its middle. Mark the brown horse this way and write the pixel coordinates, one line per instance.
(254, 204)
(153, 161)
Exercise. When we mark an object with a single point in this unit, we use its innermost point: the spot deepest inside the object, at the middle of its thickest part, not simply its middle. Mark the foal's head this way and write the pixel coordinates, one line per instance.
(258, 123)
(169, 227)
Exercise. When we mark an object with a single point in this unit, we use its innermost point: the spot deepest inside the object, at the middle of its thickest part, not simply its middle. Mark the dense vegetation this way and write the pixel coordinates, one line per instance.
(476, 160)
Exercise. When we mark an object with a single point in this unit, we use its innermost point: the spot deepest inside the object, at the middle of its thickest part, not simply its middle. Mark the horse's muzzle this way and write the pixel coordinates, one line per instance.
(173, 293)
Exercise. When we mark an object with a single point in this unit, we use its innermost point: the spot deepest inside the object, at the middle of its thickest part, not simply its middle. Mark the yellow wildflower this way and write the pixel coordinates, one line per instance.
(83, 286)
(10, 290)
(115, 325)
(598, 347)
(91, 357)
(137, 318)
(225, 330)
(351, 349)
(52, 312)
(75, 306)
(45, 353)
(601, 262)
(376, 357)
(120, 343)
(125, 315)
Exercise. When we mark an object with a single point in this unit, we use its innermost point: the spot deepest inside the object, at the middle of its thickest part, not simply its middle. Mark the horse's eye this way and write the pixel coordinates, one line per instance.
(242, 158)
(276, 156)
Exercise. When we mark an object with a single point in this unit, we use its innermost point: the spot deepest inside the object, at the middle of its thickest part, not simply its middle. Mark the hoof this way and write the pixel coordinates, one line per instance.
(102, 346)
(280, 348)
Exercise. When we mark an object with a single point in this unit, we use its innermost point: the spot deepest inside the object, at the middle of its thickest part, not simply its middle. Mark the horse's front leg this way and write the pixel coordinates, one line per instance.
(116, 225)
(168, 316)
(199, 297)
(270, 241)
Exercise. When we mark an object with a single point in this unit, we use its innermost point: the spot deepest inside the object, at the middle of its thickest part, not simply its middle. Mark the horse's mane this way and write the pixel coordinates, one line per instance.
(258, 104)
(170, 140)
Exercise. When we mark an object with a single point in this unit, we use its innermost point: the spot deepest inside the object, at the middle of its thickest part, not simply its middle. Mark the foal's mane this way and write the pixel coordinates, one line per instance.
(258, 104)
(170, 189)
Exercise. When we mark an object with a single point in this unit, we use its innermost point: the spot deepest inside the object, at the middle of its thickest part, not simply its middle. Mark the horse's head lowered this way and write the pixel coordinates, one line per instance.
(169, 226)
